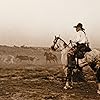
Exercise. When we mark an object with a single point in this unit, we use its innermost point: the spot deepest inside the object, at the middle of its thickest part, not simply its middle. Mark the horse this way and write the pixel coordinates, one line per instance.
(9, 59)
(28, 58)
(61, 46)
(50, 57)
(21, 58)
(91, 58)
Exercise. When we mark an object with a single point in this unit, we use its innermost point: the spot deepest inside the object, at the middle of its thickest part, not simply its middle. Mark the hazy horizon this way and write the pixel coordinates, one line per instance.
(36, 22)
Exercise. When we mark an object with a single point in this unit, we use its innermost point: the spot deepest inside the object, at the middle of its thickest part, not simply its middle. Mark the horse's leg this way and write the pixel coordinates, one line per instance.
(77, 64)
(98, 86)
(5, 60)
(56, 61)
(68, 79)
(12, 60)
(65, 70)
(71, 65)
(2, 59)
(45, 60)
(98, 80)
(50, 61)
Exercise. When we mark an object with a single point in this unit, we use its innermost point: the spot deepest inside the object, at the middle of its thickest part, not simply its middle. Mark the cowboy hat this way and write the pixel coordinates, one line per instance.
(79, 25)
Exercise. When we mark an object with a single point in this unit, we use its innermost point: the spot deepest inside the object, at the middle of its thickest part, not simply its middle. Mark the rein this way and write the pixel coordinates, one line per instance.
(65, 44)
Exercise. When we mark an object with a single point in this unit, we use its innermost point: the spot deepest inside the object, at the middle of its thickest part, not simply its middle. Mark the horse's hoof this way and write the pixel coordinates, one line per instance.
(65, 87)
(98, 91)
(68, 87)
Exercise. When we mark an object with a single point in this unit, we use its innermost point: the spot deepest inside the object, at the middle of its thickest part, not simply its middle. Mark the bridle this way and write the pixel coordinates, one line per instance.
(55, 43)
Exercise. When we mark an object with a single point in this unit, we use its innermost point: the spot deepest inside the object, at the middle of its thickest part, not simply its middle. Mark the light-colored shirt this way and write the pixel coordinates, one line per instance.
(80, 37)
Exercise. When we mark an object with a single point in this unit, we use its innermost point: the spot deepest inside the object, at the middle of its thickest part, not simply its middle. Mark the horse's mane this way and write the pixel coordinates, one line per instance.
(65, 44)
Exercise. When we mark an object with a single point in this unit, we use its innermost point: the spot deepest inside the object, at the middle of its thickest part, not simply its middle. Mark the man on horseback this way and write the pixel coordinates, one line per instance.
(80, 43)
(80, 34)
(80, 46)
(80, 38)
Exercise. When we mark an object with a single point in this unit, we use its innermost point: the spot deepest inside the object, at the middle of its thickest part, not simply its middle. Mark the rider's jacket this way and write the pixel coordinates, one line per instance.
(80, 44)
(80, 37)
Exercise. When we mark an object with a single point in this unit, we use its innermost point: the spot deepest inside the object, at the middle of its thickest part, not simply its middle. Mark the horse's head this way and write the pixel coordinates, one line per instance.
(55, 45)
(58, 43)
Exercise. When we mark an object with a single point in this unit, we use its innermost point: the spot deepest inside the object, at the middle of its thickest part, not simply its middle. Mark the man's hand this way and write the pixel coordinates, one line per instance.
(70, 41)
(77, 43)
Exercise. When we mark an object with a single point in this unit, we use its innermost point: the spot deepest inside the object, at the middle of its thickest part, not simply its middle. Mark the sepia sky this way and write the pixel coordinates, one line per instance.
(36, 22)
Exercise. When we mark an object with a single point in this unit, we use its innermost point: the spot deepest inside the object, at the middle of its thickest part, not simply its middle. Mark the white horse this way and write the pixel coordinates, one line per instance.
(60, 45)
(91, 58)
(9, 59)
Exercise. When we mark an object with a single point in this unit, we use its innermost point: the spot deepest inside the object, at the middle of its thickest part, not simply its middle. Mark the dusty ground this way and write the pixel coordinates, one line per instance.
(39, 81)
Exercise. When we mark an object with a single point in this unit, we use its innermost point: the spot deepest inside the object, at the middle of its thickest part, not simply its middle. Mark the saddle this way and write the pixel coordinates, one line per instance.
(81, 49)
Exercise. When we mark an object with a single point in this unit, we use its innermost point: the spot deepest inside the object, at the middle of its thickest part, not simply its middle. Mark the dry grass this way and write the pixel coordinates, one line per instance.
(39, 81)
